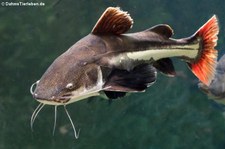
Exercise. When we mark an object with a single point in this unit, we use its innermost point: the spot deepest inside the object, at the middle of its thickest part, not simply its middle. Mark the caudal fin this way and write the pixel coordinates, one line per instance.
(205, 65)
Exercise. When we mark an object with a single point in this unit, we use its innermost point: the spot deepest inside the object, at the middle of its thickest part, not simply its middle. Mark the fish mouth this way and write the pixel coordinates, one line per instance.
(68, 98)
(62, 100)
(55, 101)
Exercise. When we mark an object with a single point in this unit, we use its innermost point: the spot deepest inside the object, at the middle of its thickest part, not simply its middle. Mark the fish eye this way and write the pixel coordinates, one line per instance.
(69, 86)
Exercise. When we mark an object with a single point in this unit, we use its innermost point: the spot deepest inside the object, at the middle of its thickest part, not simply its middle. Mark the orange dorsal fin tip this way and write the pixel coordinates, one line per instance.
(205, 66)
(113, 21)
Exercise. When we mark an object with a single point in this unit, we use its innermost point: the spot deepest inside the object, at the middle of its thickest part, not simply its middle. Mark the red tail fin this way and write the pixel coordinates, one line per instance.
(204, 66)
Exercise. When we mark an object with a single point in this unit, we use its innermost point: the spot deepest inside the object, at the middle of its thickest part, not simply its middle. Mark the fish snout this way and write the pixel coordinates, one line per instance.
(38, 96)
(39, 93)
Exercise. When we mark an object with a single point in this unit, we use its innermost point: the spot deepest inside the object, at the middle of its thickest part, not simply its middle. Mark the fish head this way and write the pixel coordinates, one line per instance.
(68, 80)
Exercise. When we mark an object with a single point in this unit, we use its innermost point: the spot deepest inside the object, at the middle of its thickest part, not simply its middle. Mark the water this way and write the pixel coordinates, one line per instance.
(172, 113)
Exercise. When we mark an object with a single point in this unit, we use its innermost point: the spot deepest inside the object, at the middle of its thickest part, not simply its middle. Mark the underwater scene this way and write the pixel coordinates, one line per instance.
(170, 110)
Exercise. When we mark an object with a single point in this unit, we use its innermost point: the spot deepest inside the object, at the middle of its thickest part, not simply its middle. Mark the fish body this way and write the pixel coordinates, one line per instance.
(129, 50)
(114, 62)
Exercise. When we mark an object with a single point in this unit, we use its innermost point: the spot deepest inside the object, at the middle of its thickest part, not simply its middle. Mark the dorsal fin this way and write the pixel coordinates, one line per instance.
(162, 29)
(113, 21)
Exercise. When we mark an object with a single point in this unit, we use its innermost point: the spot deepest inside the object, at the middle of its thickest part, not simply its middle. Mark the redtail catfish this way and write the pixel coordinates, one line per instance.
(113, 62)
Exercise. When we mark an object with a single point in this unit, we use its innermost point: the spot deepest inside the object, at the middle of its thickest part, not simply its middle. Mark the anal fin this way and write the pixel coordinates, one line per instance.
(165, 65)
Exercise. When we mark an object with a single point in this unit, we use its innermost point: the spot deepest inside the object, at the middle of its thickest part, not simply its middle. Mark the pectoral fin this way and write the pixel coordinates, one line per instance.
(136, 80)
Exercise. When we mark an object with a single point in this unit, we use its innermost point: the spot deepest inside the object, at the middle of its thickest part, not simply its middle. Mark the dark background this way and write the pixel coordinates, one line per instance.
(171, 114)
